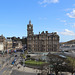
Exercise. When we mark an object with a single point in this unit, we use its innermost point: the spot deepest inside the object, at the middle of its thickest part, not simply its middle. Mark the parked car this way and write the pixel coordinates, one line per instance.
(13, 61)
(15, 55)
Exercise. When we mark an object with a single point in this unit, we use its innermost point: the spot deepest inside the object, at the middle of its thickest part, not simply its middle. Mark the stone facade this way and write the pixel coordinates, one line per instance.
(17, 44)
(9, 44)
(3, 41)
(42, 42)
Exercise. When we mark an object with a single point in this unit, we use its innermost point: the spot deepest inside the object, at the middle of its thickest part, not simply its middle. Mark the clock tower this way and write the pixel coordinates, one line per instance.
(30, 29)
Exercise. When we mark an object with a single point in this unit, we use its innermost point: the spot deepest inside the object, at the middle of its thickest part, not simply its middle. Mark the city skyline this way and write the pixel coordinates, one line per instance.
(45, 15)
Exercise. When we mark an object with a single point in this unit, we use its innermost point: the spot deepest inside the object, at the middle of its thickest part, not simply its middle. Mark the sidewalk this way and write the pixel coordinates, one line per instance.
(65, 73)
(26, 69)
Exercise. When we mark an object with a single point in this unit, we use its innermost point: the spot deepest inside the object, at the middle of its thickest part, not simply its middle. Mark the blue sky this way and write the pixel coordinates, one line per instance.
(45, 15)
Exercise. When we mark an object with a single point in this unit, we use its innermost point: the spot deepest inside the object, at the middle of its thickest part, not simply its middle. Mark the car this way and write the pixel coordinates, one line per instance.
(14, 60)
(0, 55)
(24, 65)
(39, 74)
(13, 63)
(15, 55)
(18, 67)
(14, 51)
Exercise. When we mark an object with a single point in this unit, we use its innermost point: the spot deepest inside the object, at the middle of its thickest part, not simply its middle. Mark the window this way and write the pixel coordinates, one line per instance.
(29, 38)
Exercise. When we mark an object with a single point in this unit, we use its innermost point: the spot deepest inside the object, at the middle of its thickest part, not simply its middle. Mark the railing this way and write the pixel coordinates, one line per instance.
(70, 48)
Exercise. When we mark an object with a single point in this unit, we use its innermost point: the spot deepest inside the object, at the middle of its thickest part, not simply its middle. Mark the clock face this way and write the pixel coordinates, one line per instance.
(29, 27)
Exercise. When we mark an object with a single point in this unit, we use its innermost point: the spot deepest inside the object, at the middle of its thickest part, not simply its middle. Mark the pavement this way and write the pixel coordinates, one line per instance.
(5, 70)
(23, 70)
(5, 67)
(26, 69)
(16, 72)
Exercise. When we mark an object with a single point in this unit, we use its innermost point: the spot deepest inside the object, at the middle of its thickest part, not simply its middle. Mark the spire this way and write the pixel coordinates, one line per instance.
(29, 21)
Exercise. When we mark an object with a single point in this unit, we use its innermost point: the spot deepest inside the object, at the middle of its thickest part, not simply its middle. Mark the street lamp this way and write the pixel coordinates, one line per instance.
(23, 60)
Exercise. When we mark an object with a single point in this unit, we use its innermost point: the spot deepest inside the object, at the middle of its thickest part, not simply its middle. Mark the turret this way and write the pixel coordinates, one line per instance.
(30, 29)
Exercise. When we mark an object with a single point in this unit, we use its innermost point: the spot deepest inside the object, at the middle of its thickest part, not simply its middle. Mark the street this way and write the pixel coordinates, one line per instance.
(8, 69)
(5, 64)
(5, 71)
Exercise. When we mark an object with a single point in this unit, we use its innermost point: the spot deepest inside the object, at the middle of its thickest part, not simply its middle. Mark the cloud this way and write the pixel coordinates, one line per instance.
(61, 20)
(73, 24)
(71, 14)
(44, 5)
(67, 32)
(47, 2)
(64, 21)
(73, 4)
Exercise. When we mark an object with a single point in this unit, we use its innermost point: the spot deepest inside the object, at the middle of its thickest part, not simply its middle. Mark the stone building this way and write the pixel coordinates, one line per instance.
(67, 46)
(9, 44)
(2, 42)
(42, 42)
(17, 44)
(1, 46)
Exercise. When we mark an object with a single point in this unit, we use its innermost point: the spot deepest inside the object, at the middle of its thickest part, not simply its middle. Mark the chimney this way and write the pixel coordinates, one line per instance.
(46, 32)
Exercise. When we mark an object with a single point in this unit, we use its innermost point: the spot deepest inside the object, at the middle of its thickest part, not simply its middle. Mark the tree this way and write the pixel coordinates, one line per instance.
(71, 63)
(14, 38)
(61, 64)
(57, 63)
(24, 40)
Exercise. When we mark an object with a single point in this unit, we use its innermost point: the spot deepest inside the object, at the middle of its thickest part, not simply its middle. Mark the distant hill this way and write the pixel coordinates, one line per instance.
(69, 42)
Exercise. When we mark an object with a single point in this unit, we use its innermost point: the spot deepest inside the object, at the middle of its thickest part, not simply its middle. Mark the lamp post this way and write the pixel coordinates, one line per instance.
(2, 59)
(36, 64)
(23, 60)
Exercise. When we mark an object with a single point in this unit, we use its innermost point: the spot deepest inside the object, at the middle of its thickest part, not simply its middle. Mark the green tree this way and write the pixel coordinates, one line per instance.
(71, 63)
(57, 63)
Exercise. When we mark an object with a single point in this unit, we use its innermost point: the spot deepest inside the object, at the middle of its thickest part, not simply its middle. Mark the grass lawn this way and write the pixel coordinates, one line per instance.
(71, 61)
(31, 62)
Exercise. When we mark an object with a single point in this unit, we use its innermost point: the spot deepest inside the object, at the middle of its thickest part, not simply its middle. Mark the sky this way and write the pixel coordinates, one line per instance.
(45, 15)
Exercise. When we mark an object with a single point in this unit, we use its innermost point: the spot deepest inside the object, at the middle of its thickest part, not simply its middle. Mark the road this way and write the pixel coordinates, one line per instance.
(5, 64)
(5, 71)
(8, 69)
